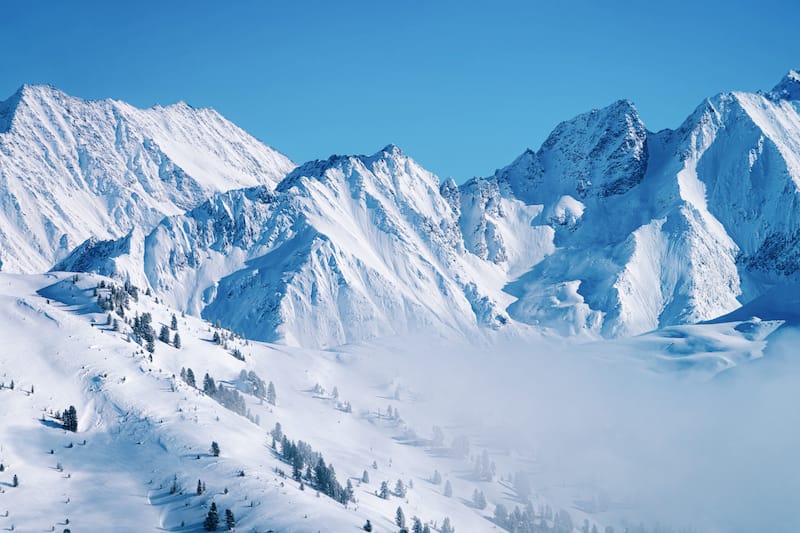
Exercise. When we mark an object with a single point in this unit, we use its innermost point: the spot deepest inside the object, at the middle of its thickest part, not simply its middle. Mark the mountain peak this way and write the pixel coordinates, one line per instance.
(391, 149)
(788, 88)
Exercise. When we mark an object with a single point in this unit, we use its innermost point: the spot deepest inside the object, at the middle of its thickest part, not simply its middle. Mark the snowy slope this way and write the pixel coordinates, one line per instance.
(141, 429)
(346, 249)
(72, 169)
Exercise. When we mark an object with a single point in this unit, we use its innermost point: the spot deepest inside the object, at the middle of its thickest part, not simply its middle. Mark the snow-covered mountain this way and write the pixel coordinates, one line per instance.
(643, 229)
(346, 249)
(72, 169)
(608, 229)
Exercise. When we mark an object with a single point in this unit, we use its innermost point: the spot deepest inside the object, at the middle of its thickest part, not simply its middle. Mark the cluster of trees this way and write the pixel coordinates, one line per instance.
(251, 383)
(116, 299)
(527, 521)
(227, 397)
(143, 331)
(478, 499)
(484, 468)
(164, 336)
(187, 375)
(211, 522)
(230, 398)
(321, 476)
(400, 489)
(69, 420)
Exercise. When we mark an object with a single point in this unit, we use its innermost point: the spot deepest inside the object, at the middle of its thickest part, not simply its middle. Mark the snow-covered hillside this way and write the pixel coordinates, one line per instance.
(72, 169)
(144, 434)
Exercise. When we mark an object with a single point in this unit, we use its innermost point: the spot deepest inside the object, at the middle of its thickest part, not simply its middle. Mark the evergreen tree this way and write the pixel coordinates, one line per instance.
(70, 419)
(212, 519)
(230, 521)
(400, 517)
(348, 492)
(214, 449)
(199, 487)
(400, 489)
(190, 377)
(174, 323)
(448, 489)
(150, 346)
(15, 481)
(272, 396)
(447, 527)
(368, 526)
(365, 477)
(163, 335)
(209, 387)
(217, 339)
(416, 525)
(426, 529)
(500, 515)
(384, 493)
(437, 478)
(277, 432)
(478, 499)
(177, 341)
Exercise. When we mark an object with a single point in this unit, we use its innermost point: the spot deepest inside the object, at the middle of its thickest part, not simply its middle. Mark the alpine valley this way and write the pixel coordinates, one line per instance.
(484, 356)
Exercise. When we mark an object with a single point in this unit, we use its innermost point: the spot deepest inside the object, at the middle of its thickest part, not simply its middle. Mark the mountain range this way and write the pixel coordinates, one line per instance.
(608, 229)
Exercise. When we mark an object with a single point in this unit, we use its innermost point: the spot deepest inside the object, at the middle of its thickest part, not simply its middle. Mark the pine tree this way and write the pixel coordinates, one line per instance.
(190, 377)
(447, 527)
(426, 529)
(400, 489)
(272, 396)
(174, 323)
(217, 339)
(209, 387)
(368, 526)
(177, 341)
(400, 518)
(417, 525)
(214, 449)
(163, 335)
(199, 487)
(230, 521)
(15, 481)
(365, 477)
(448, 489)
(500, 515)
(437, 478)
(70, 419)
(212, 519)
(151, 345)
(384, 493)
(478, 499)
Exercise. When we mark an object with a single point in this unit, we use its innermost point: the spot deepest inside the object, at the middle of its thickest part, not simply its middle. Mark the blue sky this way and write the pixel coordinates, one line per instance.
(463, 87)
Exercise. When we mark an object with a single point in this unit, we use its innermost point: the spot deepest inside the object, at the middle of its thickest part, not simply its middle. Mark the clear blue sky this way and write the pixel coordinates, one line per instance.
(463, 87)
